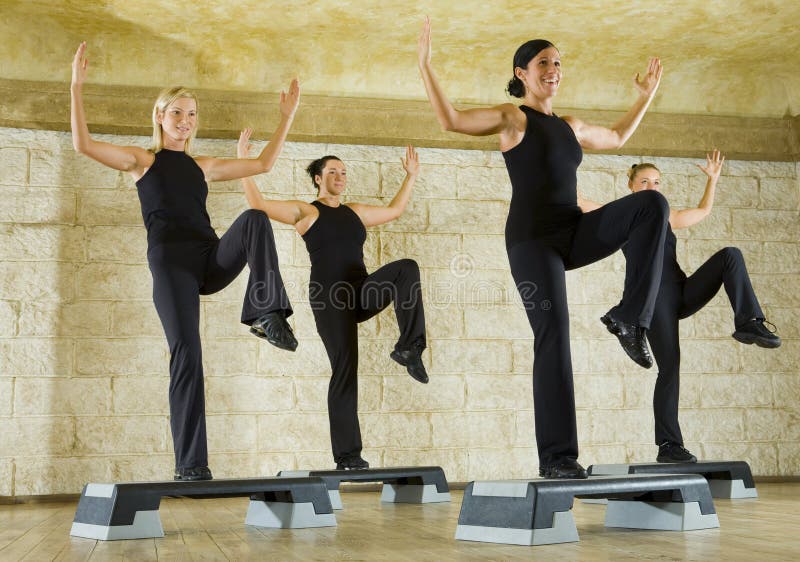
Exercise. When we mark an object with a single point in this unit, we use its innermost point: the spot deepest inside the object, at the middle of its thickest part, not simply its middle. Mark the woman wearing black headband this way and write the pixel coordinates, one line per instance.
(680, 297)
(546, 232)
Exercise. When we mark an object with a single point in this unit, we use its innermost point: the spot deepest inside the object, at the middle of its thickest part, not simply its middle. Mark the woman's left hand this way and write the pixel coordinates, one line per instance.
(411, 161)
(648, 84)
(243, 146)
(291, 99)
(713, 167)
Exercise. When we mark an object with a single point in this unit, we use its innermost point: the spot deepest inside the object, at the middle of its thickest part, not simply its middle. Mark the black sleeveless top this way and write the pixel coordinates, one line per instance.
(173, 195)
(543, 171)
(671, 271)
(335, 243)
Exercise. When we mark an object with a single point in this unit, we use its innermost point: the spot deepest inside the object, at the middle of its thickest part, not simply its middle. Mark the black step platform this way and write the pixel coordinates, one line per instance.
(412, 484)
(726, 479)
(534, 512)
(130, 510)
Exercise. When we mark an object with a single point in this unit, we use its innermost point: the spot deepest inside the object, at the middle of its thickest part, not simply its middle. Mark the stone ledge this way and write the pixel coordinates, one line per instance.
(347, 120)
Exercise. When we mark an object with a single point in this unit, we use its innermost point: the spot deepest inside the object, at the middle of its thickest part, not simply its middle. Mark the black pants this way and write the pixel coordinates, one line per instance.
(640, 220)
(680, 299)
(338, 308)
(181, 273)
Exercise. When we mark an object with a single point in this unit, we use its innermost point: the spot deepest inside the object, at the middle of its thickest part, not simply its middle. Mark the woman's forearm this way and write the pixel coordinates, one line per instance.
(403, 195)
(80, 130)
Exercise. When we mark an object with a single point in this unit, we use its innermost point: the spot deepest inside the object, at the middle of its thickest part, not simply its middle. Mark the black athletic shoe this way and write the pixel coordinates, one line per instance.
(567, 468)
(755, 332)
(194, 473)
(631, 337)
(352, 463)
(673, 452)
(274, 328)
(411, 359)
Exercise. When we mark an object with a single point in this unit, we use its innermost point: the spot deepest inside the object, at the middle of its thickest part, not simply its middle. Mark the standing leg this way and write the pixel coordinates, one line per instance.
(177, 301)
(538, 271)
(336, 324)
(665, 343)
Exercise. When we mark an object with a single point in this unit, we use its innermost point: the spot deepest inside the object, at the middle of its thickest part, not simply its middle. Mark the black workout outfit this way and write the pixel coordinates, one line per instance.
(680, 297)
(546, 234)
(342, 295)
(187, 260)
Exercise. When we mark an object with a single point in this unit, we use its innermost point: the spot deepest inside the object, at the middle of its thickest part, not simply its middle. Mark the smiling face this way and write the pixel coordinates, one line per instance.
(542, 76)
(178, 123)
(333, 178)
(645, 176)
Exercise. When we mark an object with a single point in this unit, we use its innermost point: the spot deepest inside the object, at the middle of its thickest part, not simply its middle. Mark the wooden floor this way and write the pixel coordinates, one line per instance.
(767, 528)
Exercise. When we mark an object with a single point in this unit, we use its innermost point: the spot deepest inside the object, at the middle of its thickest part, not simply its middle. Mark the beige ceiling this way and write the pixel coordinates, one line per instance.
(723, 57)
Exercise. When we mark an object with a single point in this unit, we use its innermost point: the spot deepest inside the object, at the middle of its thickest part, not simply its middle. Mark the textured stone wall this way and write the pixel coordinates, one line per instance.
(83, 361)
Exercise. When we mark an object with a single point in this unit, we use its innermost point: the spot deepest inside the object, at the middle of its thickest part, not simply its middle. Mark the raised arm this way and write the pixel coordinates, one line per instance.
(601, 138)
(287, 212)
(373, 215)
(685, 218)
(131, 159)
(477, 122)
(222, 169)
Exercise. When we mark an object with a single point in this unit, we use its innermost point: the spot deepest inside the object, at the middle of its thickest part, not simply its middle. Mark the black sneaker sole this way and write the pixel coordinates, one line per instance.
(749, 339)
(279, 344)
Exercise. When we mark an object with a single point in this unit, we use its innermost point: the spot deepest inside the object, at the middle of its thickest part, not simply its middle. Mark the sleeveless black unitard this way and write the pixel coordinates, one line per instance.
(187, 259)
(335, 244)
(342, 294)
(173, 196)
(543, 171)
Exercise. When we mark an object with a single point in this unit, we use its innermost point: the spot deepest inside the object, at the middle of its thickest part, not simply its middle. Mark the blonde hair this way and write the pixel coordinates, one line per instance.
(164, 100)
(636, 168)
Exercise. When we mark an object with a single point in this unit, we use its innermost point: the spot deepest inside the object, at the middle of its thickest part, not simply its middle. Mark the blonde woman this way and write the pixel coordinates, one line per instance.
(680, 296)
(186, 257)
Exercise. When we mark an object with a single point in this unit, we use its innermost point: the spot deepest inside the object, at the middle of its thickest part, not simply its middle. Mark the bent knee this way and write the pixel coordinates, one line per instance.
(656, 201)
(254, 215)
(732, 255)
(409, 265)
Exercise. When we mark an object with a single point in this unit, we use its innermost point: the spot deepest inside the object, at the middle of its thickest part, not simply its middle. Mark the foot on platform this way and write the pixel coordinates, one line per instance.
(567, 468)
(755, 332)
(674, 452)
(274, 328)
(411, 359)
(352, 463)
(194, 473)
(632, 339)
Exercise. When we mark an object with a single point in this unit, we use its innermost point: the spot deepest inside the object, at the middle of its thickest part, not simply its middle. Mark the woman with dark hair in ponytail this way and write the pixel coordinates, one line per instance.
(680, 297)
(342, 294)
(546, 232)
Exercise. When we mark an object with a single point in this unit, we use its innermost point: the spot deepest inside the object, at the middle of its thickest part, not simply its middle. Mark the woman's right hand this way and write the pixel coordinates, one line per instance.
(79, 65)
(713, 167)
(243, 146)
(424, 45)
(648, 84)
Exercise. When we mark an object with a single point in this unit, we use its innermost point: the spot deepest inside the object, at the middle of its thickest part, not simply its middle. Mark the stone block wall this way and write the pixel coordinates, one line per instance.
(84, 364)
